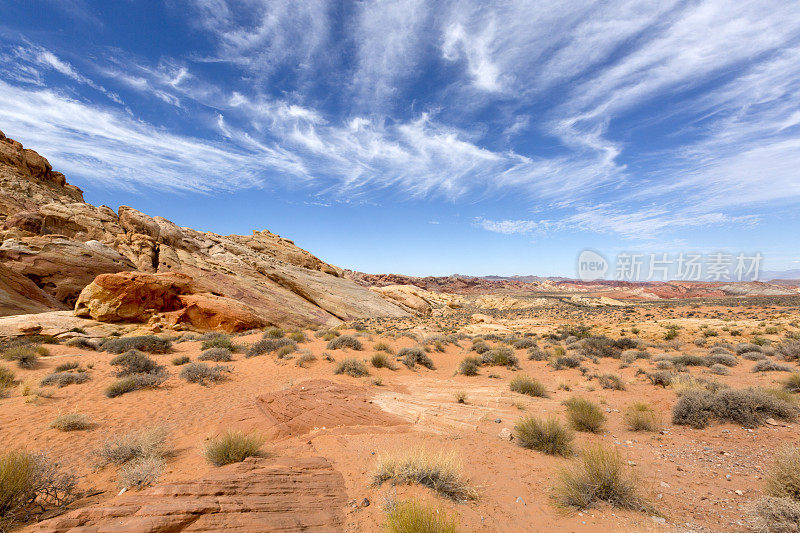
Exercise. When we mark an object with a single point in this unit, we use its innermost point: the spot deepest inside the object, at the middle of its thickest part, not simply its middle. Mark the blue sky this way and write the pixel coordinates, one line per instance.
(425, 137)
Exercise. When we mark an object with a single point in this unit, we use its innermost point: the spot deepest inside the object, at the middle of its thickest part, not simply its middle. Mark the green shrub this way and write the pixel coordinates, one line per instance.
(548, 436)
(62, 379)
(219, 355)
(381, 360)
(203, 374)
(182, 360)
(440, 472)
(500, 356)
(144, 343)
(134, 362)
(218, 340)
(640, 416)
(25, 356)
(415, 517)
(585, 415)
(6, 377)
(31, 484)
(345, 341)
(527, 385)
(747, 407)
(134, 382)
(273, 333)
(382, 347)
(352, 367)
(232, 447)
(469, 366)
(64, 367)
(412, 357)
(600, 475)
(611, 381)
(268, 345)
(298, 337)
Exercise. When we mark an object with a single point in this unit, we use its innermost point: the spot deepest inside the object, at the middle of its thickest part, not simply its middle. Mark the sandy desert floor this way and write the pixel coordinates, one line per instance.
(697, 479)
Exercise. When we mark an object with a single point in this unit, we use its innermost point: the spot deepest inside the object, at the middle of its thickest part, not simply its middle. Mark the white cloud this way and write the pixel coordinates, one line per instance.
(510, 227)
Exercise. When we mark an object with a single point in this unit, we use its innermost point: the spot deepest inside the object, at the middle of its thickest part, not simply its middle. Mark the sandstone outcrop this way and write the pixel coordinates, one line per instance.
(61, 244)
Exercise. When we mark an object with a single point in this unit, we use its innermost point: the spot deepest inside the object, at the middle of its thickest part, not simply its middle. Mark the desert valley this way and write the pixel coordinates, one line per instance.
(158, 378)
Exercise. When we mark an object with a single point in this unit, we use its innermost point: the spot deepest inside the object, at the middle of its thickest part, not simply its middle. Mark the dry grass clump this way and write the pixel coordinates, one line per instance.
(140, 473)
(766, 365)
(232, 447)
(662, 378)
(611, 381)
(440, 472)
(548, 436)
(31, 484)
(469, 366)
(64, 367)
(298, 337)
(527, 385)
(640, 416)
(182, 360)
(151, 442)
(461, 397)
(753, 356)
(136, 382)
(537, 354)
(744, 347)
(382, 360)
(412, 357)
(789, 349)
(685, 383)
(599, 476)
(144, 343)
(523, 343)
(352, 367)
(306, 356)
(203, 374)
(747, 407)
(783, 477)
(273, 333)
(565, 361)
(718, 369)
(382, 347)
(500, 356)
(62, 379)
(414, 517)
(25, 356)
(723, 359)
(82, 343)
(345, 341)
(269, 345)
(689, 360)
(218, 340)
(219, 355)
(791, 383)
(775, 515)
(71, 422)
(585, 415)
(7, 378)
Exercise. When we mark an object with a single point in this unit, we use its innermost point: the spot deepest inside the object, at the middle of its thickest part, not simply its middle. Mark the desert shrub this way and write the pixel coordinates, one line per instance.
(412, 357)
(789, 349)
(585, 415)
(440, 472)
(766, 365)
(743, 347)
(629, 356)
(640, 416)
(134, 382)
(783, 477)
(25, 356)
(382, 347)
(352, 367)
(134, 362)
(31, 484)
(524, 343)
(776, 515)
(6, 377)
(747, 407)
(62, 379)
(480, 347)
(203, 374)
(718, 369)
(723, 359)
(500, 356)
(665, 365)
(684, 383)
(298, 337)
(219, 355)
(144, 343)
(661, 378)
(791, 383)
(305, 357)
(140, 472)
(600, 475)
(600, 346)
(382, 360)
(689, 360)
(527, 385)
(275, 333)
(232, 447)
(284, 351)
(566, 361)
(461, 397)
(548, 436)
(267, 346)
(469, 366)
(71, 422)
(182, 360)
(719, 350)
(537, 354)
(753, 356)
(415, 517)
(151, 442)
(218, 340)
(345, 341)
(64, 367)
(81, 343)
(611, 381)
